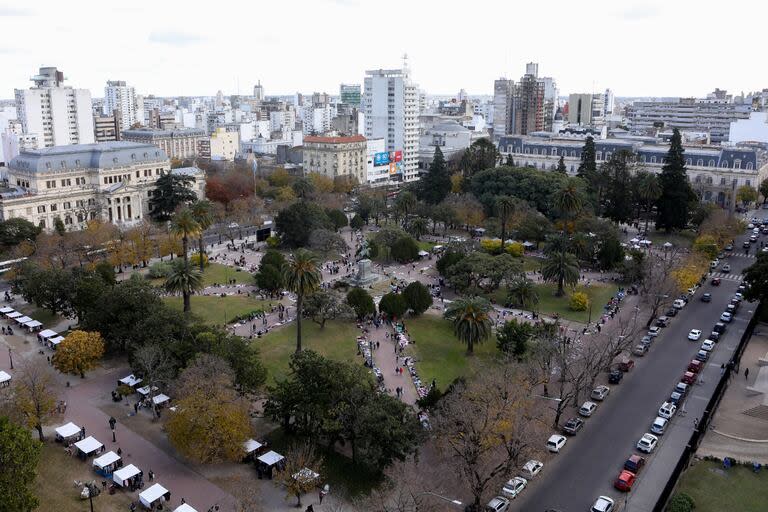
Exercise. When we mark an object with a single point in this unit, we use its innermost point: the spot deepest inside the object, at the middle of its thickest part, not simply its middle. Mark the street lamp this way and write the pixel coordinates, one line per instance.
(10, 356)
(558, 400)
(447, 500)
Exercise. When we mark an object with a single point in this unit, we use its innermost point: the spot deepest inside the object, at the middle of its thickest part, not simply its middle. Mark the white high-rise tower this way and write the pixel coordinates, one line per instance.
(58, 114)
(119, 96)
(391, 107)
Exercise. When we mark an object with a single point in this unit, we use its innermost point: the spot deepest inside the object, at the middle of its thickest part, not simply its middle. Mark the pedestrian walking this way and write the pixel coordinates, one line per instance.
(119, 451)
(746, 373)
(722, 369)
(695, 423)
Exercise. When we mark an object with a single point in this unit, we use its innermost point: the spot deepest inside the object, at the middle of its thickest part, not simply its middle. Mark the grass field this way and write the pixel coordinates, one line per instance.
(714, 489)
(531, 263)
(215, 310)
(439, 354)
(53, 485)
(219, 274)
(425, 246)
(335, 341)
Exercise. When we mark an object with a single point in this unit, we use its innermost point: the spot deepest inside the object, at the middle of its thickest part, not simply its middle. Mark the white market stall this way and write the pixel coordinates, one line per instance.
(160, 400)
(251, 446)
(5, 310)
(127, 476)
(305, 476)
(153, 495)
(184, 508)
(54, 342)
(130, 381)
(33, 325)
(106, 464)
(45, 335)
(13, 314)
(144, 391)
(21, 320)
(87, 447)
(5, 379)
(267, 462)
(67, 433)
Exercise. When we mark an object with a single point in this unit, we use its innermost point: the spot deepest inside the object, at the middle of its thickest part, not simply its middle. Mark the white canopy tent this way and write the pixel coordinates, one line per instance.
(184, 508)
(105, 460)
(13, 314)
(68, 430)
(305, 475)
(5, 378)
(423, 254)
(145, 390)
(251, 446)
(6, 310)
(34, 324)
(55, 341)
(21, 320)
(160, 399)
(270, 458)
(152, 495)
(122, 475)
(89, 445)
(130, 380)
(45, 334)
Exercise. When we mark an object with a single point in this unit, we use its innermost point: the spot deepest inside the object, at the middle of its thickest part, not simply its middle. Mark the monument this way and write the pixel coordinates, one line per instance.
(365, 275)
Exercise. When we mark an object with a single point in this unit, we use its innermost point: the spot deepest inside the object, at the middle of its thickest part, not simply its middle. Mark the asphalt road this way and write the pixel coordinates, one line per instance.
(587, 466)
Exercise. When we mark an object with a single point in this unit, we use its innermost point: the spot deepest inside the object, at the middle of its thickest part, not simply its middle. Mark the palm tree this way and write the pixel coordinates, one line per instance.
(184, 280)
(184, 224)
(202, 211)
(471, 323)
(405, 203)
(649, 191)
(505, 207)
(522, 292)
(417, 227)
(562, 268)
(568, 200)
(302, 277)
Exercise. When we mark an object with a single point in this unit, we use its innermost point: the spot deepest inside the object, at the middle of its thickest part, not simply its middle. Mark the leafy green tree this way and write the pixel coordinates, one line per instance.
(417, 227)
(202, 212)
(534, 228)
(513, 338)
(171, 191)
(58, 226)
(618, 196)
(746, 194)
(185, 225)
(756, 278)
(435, 185)
(561, 168)
(362, 302)
(764, 190)
(568, 200)
(534, 186)
(303, 188)
(676, 193)
(87, 291)
(471, 320)
(327, 242)
(681, 502)
(296, 222)
(324, 305)
(302, 277)
(588, 164)
(405, 249)
(270, 279)
(184, 280)
(447, 260)
(505, 207)
(561, 268)
(405, 203)
(357, 222)
(19, 456)
(338, 218)
(16, 230)
(648, 192)
(417, 297)
(610, 254)
(510, 162)
(394, 305)
(481, 155)
(522, 294)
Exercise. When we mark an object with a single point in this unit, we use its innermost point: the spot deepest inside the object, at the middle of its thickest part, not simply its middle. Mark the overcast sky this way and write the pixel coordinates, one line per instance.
(169, 47)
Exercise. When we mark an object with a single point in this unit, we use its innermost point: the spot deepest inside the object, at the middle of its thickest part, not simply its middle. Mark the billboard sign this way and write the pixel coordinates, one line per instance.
(380, 159)
(396, 156)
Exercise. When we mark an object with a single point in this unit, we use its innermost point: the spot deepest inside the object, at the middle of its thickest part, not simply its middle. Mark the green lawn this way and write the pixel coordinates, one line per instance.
(734, 489)
(531, 263)
(439, 354)
(425, 246)
(220, 274)
(215, 310)
(549, 304)
(335, 341)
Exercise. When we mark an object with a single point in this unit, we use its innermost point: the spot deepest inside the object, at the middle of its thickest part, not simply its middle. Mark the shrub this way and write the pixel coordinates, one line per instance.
(273, 241)
(418, 297)
(393, 304)
(194, 260)
(161, 269)
(491, 245)
(447, 260)
(579, 301)
(681, 503)
(362, 302)
(405, 249)
(515, 249)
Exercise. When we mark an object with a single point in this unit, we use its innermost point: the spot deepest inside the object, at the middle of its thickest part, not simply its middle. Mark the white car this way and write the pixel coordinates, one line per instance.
(587, 408)
(531, 469)
(694, 335)
(602, 504)
(659, 425)
(599, 393)
(514, 486)
(708, 345)
(726, 317)
(678, 304)
(647, 443)
(498, 504)
(555, 443)
(654, 331)
(667, 410)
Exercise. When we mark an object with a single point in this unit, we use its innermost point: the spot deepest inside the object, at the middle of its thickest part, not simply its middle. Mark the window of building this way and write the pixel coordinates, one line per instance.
(711, 163)
(748, 183)
(41, 208)
(599, 155)
(749, 166)
(67, 205)
(724, 164)
(722, 181)
(700, 162)
(653, 159)
(737, 164)
(54, 207)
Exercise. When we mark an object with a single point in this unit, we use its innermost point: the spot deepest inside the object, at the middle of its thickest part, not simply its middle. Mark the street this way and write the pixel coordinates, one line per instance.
(589, 463)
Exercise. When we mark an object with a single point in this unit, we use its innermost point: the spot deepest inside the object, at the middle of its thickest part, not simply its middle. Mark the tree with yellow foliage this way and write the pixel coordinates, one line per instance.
(79, 352)
(689, 272)
(322, 183)
(35, 394)
(706, 245)
(211, 421)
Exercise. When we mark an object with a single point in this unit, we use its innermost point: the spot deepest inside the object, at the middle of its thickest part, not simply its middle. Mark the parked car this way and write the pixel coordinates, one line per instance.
(654, 331)
(626, 365)
(729, 247)
(498, 504)
(726, 317)
(678, 304)
(726, 268)
(514, 486)
(573, 425)
(695, 366)
(587, 408)
(702, 355)
(746, 245)
(719, 327)
(667, 410)
(615, 376)
(659, 425)
(731, 308)
(714, 336)
(647, 443)
(624, 481)
(694, 335)
(715, 281)
(671, 312)
(682, 388)
(646, 340)
(662, 321)
(600, 392)
(707, 297)
(531, 469)
(708, 345)
(634, 463)
(555, 443)
(640, 349)
(689, 378)
(603, 504)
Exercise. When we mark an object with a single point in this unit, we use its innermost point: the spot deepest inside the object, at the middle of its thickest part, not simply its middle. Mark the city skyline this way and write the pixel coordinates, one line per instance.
(160, 49)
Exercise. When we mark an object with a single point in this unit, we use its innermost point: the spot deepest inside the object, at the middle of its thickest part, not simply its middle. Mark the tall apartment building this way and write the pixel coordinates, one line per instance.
(529, 104)
(224, 144)
(391, 107)
(586, 109)
(610, 101)
(317, 119)
(181, 143)
(59, 115)
(14, 140)
(713, 116)
(350, 94)
(121, 97)
(503, 107)
(336, 156)
(107, 128)
(258, 91)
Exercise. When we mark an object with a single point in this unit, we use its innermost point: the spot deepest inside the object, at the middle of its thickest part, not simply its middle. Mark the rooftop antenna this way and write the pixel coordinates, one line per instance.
(406, 69)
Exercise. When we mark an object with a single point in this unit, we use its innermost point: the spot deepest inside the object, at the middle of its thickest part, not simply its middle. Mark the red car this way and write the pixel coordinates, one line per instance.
(689, 378)
(695, 366)
(624, 481)
(716, 281)
(634, 463)
(626, 365)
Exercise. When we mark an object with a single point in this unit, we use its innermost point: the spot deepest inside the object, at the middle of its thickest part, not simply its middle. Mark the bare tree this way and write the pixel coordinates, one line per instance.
(35, 394)
(154, 365)
(300, 474)
(658, 288)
